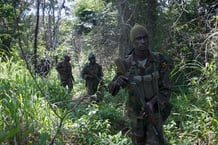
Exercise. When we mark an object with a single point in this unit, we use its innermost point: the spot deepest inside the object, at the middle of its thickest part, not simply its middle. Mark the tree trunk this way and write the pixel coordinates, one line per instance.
(151, 19)
(130, 12)
(146, 14)
(124, 23)
(36, 35)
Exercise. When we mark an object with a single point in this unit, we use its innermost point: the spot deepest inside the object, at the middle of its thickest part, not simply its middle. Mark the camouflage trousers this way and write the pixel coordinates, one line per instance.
(92, 86)
(143, 132)
(68, 83)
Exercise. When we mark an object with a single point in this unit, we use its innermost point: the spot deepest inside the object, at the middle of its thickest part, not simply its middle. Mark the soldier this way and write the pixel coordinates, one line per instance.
(147, 80)
(64, 70)
(43, 67)
(92, 74)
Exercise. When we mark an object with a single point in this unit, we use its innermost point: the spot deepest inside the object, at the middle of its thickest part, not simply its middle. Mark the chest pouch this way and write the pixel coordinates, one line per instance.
(148, 84)
(93, 70)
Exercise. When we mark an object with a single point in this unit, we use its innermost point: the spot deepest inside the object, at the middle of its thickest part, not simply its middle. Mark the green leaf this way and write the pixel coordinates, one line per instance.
(9, 133)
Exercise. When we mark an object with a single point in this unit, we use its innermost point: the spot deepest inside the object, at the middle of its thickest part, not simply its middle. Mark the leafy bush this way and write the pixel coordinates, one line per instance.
(95, 127)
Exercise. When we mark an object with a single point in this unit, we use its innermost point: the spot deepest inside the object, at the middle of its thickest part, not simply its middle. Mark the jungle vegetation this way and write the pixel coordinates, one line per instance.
(37, 110)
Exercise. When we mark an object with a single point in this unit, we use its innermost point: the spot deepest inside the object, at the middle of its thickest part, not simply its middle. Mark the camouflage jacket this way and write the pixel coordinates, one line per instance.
(156, 65)
(94, 70)
(65, 71)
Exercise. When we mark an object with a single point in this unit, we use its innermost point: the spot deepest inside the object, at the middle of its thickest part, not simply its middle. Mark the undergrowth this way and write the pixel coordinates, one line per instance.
(30, 115)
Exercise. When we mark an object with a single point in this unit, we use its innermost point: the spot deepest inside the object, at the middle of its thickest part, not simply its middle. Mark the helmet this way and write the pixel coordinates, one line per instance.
(136, 29)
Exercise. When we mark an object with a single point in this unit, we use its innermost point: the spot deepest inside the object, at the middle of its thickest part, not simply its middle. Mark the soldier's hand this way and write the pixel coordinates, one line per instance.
(121, 81)
(152, 102)
(150, 105)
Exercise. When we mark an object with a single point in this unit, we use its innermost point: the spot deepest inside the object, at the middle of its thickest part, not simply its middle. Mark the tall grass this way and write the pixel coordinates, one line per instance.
(30, 115)
(24, 112)
(194, 119)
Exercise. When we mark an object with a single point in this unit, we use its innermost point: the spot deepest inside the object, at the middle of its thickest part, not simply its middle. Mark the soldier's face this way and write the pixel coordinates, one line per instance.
(141, 42)
(92, 60)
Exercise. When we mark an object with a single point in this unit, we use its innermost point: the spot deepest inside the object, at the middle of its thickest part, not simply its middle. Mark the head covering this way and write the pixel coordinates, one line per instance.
(136, 29)
(91, 55)
(66, 58)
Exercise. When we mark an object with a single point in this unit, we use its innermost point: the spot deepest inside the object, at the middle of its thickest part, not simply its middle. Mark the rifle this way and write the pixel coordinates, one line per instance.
(149, 114)
(95, 76)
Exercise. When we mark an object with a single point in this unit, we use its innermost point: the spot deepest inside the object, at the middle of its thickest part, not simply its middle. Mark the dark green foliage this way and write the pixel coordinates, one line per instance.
(191, 22)
(25, 108)
(88, 16)
(31, 110)
(193, 117)
(10, 13)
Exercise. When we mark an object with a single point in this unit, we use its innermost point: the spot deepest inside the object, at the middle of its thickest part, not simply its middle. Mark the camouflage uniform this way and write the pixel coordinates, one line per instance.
(92, 74)
(152, 78)
(65, 73)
